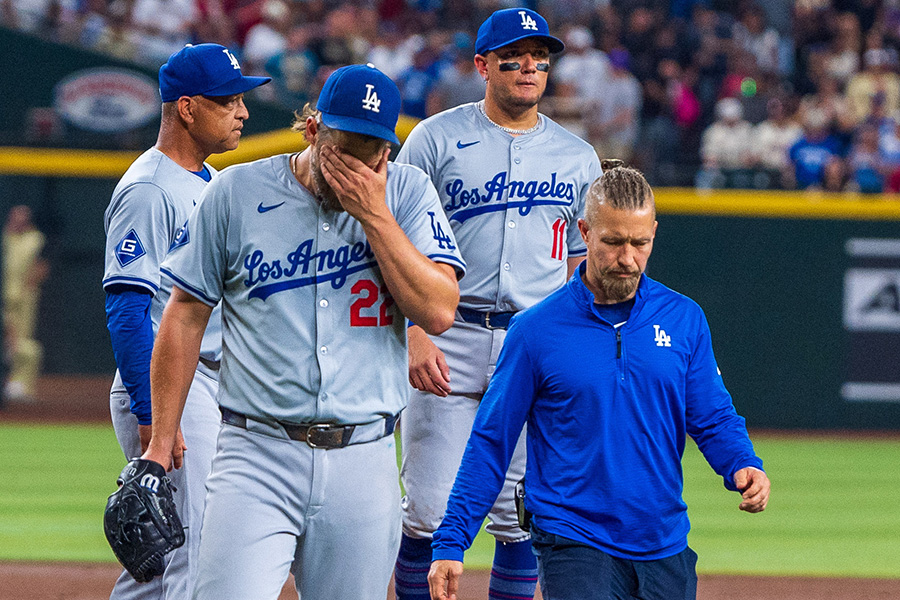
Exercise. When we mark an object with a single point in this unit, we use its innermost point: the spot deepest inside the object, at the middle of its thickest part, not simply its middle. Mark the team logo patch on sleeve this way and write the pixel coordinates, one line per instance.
(182, 237)
(129, 248)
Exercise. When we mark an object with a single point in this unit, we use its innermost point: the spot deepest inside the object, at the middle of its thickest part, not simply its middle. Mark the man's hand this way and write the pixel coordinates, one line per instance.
(754, 486)
(428, 370)
(359, 188)
(443, 579)
(167, 457)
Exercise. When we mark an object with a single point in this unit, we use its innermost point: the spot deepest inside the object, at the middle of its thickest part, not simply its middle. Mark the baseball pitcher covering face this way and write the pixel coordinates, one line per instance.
(512, 185)
(203, 112)
(318, 258)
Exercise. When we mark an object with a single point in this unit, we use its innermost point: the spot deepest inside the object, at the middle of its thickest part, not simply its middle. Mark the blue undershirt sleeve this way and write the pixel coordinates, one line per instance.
(131, 332)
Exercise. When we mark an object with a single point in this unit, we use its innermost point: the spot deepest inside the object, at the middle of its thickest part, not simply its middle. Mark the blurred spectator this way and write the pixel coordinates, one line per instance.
(670, 124)
(393, 53)
(829, 99)
(23, 272)
(164, 27)
(685, 106)
(713, 34)
(745, 82)
(460, 83)
(416, 83)
(294, 70)
(612, 115)
(842, 59)
(639, 37)
(579, 75)
(752, 34)
(835, 176)
(774, 137)
(116, 38)
(874, 40)
(727, 145)
(875, 79)
(341, 42)
(815, 151)
(867, 167)
(583, 70)
(28, 15)
(217, 22)
(93, 22)
(267, 38)
(889, 141)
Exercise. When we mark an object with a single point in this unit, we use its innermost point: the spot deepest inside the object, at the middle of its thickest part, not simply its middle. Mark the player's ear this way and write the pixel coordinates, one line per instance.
(584, 228)
(312, 130)
(185, 108)
(481, 65)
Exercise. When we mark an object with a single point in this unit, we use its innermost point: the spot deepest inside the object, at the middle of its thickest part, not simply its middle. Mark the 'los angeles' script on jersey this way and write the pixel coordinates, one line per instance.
(466, 203)
(332, 264)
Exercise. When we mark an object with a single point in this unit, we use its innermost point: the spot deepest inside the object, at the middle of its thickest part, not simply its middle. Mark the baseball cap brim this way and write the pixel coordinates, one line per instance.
(356, 125)
(553, 44)
(238, 86)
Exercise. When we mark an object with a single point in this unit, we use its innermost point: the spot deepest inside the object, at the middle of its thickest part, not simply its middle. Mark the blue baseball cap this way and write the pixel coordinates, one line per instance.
(207, 69)
(361, 99)
(511, 25)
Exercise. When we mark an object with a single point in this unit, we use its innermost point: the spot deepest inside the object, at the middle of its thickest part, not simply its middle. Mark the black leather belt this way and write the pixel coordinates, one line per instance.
(488, 320)
(320, 435)
(212, 365)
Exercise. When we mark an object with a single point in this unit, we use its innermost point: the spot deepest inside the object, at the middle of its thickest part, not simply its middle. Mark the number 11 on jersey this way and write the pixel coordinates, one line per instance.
(559, 236)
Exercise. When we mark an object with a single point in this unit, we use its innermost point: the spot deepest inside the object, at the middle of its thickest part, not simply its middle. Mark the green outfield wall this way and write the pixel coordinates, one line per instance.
(801, 293)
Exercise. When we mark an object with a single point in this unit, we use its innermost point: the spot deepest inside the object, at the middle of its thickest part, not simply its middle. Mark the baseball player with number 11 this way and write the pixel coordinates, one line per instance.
(318, 258)
(512, 184)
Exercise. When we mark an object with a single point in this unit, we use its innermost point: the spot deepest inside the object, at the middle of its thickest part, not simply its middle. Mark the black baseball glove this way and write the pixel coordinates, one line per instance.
(140, 522)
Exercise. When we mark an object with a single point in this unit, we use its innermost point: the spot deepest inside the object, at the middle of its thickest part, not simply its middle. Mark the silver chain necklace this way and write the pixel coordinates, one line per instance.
(509, 130)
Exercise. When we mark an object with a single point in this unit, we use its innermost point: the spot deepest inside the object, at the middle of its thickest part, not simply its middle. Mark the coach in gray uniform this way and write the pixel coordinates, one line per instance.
(512, 184)
(318, 259)
(203, 113)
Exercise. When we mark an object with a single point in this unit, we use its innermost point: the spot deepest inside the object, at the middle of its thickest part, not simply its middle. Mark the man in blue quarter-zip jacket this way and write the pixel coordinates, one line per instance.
(606, 431)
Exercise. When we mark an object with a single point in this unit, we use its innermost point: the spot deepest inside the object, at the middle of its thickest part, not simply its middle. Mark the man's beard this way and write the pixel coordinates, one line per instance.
(617, 288)
(323, 193)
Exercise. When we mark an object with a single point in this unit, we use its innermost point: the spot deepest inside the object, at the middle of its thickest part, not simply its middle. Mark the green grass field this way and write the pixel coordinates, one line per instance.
(832, 510)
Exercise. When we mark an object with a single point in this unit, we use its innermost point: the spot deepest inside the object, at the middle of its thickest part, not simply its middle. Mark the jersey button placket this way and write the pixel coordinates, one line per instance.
(510, 231)
(324, 326)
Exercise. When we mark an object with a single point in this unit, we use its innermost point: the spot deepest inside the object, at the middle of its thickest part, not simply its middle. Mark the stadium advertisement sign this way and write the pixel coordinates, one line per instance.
(107, 100)
(872, 318)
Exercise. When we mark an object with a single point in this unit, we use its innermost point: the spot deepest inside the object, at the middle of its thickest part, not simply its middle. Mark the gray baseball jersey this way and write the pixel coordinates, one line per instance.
(513, 202)
(514, 205)
(144, 221)
(304, 303)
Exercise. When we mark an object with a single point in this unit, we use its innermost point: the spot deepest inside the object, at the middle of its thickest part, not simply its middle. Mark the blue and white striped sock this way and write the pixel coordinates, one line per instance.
(514, 574)
(411, 570)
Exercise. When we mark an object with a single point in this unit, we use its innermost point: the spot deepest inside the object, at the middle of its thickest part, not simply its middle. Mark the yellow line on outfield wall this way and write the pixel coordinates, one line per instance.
(676, 201)
(775, 204)
(47, 162)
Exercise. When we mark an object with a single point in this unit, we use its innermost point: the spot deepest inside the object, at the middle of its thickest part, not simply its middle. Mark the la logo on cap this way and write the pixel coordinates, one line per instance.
(232, 58)
(527, 21)
(371, 101)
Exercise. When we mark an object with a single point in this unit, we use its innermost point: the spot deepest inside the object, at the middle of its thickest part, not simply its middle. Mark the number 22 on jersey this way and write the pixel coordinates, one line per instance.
(369, 294)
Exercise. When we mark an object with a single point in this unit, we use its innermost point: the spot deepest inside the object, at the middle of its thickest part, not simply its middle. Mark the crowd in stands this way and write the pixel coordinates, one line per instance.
(768, 94)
